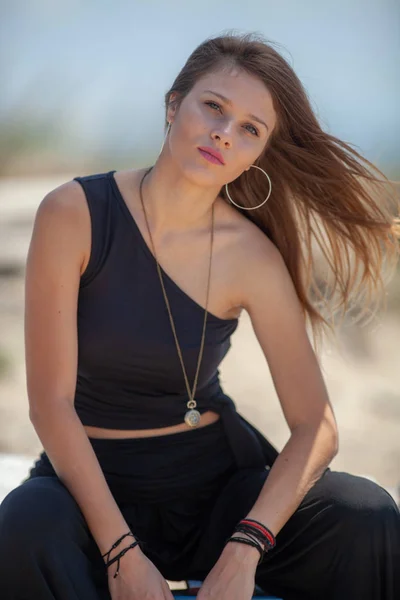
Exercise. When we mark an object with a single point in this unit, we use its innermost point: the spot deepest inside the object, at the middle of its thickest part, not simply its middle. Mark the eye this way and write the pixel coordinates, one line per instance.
(214, 103)
(255, 131)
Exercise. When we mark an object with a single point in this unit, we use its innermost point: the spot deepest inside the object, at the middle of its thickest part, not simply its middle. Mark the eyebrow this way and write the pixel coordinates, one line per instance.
(230, 104)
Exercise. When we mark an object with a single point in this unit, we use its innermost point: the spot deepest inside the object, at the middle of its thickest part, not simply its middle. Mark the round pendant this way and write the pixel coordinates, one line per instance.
(192, 418)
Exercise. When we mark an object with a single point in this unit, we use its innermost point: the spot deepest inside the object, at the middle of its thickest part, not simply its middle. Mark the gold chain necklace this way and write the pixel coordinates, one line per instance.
(192, 416)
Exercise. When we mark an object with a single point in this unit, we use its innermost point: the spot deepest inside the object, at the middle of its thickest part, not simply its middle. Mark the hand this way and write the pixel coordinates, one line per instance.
(233, 575)
(138, 579)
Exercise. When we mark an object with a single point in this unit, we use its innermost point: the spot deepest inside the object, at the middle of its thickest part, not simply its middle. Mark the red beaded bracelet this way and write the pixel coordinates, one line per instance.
(260, 527)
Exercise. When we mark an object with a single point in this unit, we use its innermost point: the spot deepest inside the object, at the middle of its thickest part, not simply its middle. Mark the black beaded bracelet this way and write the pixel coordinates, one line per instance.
(115, 544)
(119, 556)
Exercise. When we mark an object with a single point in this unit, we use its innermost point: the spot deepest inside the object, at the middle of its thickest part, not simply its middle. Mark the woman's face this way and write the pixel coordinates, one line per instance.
(228, 111)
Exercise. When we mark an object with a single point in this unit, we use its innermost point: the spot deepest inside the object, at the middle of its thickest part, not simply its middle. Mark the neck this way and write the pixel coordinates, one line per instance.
(174, 203)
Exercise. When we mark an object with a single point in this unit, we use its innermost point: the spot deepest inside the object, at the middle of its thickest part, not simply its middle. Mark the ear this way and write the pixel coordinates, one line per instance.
(172, 106)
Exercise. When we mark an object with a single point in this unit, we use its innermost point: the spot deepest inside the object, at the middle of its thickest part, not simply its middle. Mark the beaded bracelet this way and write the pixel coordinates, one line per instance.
(249, 534)
(256, 534)
(115, 544)
(257, 526)
(119, 556)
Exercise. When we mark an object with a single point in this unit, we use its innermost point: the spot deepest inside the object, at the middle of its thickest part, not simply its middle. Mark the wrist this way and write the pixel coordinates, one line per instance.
(241, 554)
(131, 561)
(123, 543)
(108, 538)
(125, 559)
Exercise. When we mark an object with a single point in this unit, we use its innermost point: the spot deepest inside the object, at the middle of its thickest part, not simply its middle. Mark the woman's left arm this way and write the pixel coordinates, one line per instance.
(279, 324)
(267, 293)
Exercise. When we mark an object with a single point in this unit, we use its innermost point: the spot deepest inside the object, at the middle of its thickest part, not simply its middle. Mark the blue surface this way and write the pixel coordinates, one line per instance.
(194, 585)
(255, 597)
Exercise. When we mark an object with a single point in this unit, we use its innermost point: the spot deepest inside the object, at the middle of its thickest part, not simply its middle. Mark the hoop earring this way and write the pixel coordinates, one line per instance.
(252, 207)
(166, 134)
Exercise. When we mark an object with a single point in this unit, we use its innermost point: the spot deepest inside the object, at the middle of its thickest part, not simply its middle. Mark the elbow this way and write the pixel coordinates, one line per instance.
(42, 412)
(331, 439)
(332, 435)
(36, 410)
(323, 434)
(334, 446)
(34, 415)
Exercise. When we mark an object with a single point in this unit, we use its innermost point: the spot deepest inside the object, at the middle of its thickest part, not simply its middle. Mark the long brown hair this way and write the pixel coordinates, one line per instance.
(325, 195)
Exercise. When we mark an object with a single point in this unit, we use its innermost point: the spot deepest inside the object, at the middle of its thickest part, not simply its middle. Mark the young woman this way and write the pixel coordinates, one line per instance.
(135, 283)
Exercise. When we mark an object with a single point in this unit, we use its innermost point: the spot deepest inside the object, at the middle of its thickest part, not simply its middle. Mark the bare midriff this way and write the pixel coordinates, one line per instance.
(207, 418)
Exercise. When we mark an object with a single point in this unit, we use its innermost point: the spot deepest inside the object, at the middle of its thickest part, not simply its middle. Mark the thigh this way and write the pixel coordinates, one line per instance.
(41, 507)
(45, 542)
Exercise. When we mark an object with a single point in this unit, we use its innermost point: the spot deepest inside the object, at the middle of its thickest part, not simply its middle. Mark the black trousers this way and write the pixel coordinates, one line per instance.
(182, 494)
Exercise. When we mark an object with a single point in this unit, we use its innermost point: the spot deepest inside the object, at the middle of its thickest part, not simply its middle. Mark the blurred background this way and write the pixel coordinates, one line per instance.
(83, 84)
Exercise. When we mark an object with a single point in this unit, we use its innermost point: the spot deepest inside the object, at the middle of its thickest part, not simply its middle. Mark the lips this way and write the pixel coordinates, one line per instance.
(212, 152)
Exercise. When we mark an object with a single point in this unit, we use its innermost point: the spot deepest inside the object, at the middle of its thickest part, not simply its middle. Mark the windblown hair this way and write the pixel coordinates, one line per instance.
(332, 214)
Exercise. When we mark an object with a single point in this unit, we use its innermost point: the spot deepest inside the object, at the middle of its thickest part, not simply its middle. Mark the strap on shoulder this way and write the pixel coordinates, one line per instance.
(97, 195)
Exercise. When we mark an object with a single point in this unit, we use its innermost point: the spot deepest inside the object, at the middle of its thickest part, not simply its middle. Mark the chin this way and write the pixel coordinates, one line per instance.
(199, 174)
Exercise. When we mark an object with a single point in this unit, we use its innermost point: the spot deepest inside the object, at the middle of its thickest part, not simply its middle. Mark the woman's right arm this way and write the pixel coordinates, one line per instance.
(59, 248)
(58, 253)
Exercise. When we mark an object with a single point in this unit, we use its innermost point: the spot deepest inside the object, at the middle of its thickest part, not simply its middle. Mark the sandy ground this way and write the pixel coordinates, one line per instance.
(361, 377)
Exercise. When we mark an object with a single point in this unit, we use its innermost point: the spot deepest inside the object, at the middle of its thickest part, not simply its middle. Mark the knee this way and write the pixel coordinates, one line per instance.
(360, 505)
(37, 509)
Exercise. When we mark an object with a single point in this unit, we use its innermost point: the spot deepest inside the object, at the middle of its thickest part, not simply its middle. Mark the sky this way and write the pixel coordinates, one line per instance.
(101, 68)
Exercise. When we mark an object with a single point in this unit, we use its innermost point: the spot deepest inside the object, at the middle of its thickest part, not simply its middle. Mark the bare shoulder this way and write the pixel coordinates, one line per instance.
(64, 210)
(67, 200)
(247, 237)
(252, 256)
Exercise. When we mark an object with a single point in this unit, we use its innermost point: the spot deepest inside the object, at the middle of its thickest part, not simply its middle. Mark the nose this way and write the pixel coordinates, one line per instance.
(222, 136)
